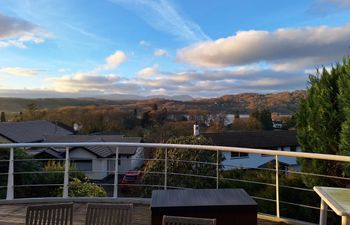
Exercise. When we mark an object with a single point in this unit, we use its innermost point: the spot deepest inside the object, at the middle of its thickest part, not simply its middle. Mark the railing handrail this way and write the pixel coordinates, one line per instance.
(309, 155)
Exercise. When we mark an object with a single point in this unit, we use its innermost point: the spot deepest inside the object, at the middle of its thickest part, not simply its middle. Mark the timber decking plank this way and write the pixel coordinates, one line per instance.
(15, 215)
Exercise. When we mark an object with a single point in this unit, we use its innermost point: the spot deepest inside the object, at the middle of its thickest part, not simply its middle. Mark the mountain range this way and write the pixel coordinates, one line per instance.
(118, 97)
(282, 102)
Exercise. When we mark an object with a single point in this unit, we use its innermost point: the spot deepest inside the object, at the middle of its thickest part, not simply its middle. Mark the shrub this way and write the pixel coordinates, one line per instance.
(85, 188)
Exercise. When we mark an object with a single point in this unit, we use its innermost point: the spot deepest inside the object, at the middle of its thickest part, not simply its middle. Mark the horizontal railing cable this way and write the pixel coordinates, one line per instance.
(36, 185)
(248, 181)
(264, 199)
(320, 175)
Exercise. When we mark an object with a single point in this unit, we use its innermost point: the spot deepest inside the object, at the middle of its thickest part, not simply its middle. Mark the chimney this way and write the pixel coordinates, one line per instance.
(196, 129)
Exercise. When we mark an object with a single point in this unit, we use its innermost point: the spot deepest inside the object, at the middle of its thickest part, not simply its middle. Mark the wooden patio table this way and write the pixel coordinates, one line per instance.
(227, 206)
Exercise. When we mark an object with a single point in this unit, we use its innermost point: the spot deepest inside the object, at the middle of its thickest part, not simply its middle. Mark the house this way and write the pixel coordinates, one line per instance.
(282, 140)
(97, 162)
(31, 131)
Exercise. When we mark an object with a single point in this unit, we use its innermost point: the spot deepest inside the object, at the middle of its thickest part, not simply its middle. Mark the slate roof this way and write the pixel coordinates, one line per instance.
(254, 139)
(100, 151)
(30, 131)
(49, 151)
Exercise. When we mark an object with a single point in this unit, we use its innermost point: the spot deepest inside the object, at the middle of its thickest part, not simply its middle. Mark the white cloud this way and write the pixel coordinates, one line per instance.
(301, 64)
(89, 34)
(144, 43)
(43, 93)
(160, 52)
(18, 32)
(198, 83)
(83, 82)
(341, 3)
(325, 7)
(63, 70)
(163, 16)
(313, 44)
(207, 83)
(21, 72)
(2, 83)
(219, 82)
(148, 71)
(114, 60)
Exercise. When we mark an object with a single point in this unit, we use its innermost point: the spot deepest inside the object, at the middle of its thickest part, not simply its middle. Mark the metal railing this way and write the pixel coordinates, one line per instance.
(166, 173)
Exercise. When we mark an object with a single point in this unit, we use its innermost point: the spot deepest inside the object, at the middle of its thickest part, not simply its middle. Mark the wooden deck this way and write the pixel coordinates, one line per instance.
(15, 215)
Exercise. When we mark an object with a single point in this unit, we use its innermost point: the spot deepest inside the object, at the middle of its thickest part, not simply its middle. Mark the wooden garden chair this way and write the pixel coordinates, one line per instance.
(177, 220)
(109, 214)
(54, 214)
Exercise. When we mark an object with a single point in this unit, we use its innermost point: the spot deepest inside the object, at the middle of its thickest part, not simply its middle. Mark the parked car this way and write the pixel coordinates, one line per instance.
(277, 124)
(129, 179)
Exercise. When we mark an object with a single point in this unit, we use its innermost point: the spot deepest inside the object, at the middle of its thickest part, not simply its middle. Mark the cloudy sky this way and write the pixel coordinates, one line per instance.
(76, 48)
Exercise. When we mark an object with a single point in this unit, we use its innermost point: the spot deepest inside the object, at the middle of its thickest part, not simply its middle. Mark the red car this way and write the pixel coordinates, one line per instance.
(129, 179)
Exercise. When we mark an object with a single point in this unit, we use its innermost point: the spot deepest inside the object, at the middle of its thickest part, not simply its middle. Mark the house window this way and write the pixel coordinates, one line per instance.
(83, 165)
(239, 155)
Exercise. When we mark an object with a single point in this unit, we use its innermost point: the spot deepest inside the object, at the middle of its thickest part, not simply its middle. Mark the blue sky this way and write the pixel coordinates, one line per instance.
(75, 48)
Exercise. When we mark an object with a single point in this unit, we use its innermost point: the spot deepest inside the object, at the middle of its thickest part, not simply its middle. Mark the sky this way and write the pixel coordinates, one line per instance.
(79, 48)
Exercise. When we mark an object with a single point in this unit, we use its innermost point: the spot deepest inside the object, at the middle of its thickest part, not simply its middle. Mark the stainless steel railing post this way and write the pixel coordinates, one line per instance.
(10, 177)
(217, 169)
(277, 189)
(66, 174)
(116, 173)
(166, 169)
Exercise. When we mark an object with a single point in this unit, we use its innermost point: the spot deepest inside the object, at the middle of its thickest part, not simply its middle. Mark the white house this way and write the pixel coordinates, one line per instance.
(282, 140)
(97, 162)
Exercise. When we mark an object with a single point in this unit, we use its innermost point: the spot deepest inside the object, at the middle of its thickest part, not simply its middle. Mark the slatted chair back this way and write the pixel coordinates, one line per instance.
(109, 214)
(58, 214)
(177, 220)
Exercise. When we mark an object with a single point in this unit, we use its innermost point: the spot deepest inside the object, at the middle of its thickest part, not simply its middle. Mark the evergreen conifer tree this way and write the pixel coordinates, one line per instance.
(2, 117)
(323, 122)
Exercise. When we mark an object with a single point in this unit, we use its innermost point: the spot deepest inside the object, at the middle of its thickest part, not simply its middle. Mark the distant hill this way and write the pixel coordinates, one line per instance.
(173, 97)
(19, 104)
(283, 102)
(117, 97)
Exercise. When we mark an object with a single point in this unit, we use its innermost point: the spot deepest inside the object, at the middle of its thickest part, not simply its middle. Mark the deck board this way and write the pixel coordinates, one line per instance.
(15, 215)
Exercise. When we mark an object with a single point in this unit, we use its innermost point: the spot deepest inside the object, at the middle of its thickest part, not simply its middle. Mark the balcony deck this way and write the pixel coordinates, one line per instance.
(15, 215)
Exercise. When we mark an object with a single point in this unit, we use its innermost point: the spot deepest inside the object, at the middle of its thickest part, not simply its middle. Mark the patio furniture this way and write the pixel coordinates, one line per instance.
(227, 206)
(338, 199)
(172, 220)
(108, 214)
(57, 214)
